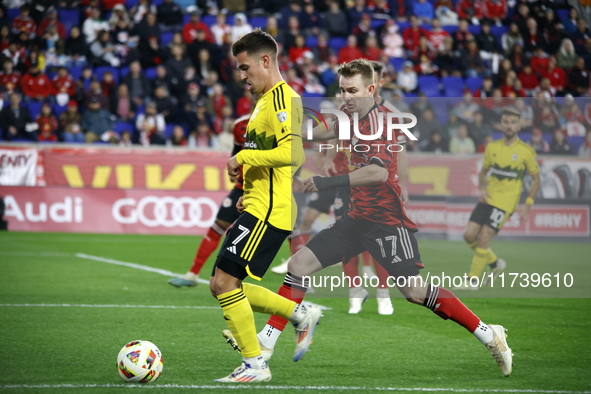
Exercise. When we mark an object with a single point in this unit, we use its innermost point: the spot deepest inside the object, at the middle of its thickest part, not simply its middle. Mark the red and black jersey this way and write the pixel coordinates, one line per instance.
(10, 82)
(380, 203)
(27, 25)
(64, 85)
(239, 132)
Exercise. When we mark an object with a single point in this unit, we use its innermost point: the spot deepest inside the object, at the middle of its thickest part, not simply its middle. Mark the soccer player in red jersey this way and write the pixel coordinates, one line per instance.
(227, 214)
(376, 222)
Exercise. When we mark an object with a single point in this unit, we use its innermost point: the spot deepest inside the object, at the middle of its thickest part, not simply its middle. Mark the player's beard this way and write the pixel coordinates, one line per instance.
(509, 134)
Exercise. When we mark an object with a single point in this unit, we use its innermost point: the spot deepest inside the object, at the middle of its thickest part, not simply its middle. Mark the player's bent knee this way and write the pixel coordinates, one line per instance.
(470, 237)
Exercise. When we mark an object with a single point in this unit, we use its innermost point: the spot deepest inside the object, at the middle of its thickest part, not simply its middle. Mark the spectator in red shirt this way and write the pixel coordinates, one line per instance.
(109, 4)
(50, 20)
(470, 10)
(9, 79)
(529, 80)
(24, 23)
(495, 11)
(539, 62)
(412, 34)
(350, 51)
(512, 86)
(244, 104)
(437, 35)
(296, 52)
(372, 50)
(63, 83)
(556, 75)
(191, 27)
(47, 124)
(36, 86)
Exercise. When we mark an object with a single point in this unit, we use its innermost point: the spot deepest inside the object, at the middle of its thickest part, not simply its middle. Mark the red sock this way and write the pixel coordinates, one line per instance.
(445, 304)
(382, 275)
(367, 259)
(351, 268)
(206, 248)
(298, 242)
(291, 293)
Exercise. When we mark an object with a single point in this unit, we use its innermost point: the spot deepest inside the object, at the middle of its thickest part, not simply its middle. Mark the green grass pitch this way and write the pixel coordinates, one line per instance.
(48, 347)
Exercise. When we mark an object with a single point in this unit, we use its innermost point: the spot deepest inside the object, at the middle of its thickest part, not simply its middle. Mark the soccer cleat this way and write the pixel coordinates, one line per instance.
(357, 296)
(500, 350)
(384, 303)
(187, 280)
(501, 265)
(281, 269)
(246, 374)
(304, 331)
(230, 340)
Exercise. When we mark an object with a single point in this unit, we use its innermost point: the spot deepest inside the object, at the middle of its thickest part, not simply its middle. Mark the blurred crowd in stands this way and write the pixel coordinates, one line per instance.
(161, 72)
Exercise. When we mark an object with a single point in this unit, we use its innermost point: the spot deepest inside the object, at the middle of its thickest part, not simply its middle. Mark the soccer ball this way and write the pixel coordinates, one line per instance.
(139, 362)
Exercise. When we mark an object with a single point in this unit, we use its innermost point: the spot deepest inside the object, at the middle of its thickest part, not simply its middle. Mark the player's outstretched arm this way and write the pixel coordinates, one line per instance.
(531, 195)
(369, 175)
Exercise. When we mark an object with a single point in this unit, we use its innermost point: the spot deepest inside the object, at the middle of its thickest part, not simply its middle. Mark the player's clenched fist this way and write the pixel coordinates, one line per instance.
(309, 186)
(240, 205)
(233, 167)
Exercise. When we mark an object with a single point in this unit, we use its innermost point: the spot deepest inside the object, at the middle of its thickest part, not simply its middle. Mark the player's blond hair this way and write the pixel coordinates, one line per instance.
(358, 66)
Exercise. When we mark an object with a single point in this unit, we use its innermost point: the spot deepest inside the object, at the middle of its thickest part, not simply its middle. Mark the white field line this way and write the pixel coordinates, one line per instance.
(156, 270)
(110, 306)
(264, 387)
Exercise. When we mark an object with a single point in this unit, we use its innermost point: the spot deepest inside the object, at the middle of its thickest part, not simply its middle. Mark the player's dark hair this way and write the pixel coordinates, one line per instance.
(510, 112)
(254, 43)
(378, 68)
(358, 66)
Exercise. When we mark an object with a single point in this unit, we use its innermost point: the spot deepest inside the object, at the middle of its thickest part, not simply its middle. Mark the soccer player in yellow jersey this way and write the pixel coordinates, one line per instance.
(499, 188)
(273, 151)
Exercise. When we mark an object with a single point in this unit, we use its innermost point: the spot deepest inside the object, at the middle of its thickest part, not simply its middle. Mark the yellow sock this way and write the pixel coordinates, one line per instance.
(473, 245)
(240, 320)
(263, 300)
(478, 262)
(491, 257)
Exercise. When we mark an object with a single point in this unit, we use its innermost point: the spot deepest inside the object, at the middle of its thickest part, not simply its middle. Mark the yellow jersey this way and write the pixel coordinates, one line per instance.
(272, 153)
(507, 165)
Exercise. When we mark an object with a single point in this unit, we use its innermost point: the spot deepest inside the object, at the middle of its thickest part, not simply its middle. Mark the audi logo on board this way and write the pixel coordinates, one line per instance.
(166, 211)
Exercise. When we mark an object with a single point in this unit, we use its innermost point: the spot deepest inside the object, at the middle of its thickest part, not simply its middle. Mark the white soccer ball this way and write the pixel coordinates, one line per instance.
(140, 362)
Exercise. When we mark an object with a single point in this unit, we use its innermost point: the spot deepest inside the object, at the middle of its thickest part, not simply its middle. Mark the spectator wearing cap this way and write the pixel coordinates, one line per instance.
(559, 144)
(470, 10)
(24, 23)
(311, 20)
(119, 21)
(350, 51)
(495, 11)
(193, 26)
(70, 121)
(138, 83)
(9, 78)
(412, 34)
(93, 25)
(121, 105)
(220, 29)
(151, 126)
(537, 142)
(96, 120)
(51, 20)
(241, 26)
(75, 49)
(139, 11)
(407, 78)
(15, 118)
(335, 20)
(170, 15)
(423, 9)
(36, 86)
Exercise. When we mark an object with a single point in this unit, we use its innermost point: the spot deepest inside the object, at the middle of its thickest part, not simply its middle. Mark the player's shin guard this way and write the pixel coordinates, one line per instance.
(478, 262)
(293, 289)
(207, 247)
(447, 306)
(240, 320)
(297, 240)
(351, 269)
(265, 301)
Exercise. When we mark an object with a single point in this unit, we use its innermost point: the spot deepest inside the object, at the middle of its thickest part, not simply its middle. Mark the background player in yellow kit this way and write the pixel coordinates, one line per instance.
(507, 160)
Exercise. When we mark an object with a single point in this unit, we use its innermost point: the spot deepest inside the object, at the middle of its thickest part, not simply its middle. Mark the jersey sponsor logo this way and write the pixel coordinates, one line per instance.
(502, 173)
(251, 145)
(282, 116)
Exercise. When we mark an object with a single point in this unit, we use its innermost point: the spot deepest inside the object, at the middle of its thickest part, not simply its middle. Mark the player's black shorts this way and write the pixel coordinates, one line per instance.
(321, 201)
(249, 248)
(395, 248)
(342, 200)
(228, 211)
(493, 217)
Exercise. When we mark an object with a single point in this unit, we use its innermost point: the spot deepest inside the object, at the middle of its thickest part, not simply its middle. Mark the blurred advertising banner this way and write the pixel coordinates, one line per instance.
(52, 209)
(18, 167)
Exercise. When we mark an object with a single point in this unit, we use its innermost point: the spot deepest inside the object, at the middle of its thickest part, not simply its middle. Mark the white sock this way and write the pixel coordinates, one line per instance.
(268, 336)
(298, 314)
(484, 333)
(256, 362)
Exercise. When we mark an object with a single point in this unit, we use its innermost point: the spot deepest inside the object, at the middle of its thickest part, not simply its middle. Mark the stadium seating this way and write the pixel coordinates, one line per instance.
(575, 142)
(453, 86)
(151, 73)
(166, 38)
(120, 127)
(311, 42)
(258, 21)
(69, 18)
(473, 83)
(429, 85)
(397, 62)
(337, 43)
(100, 71)
(168, 130)
(59, 109)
